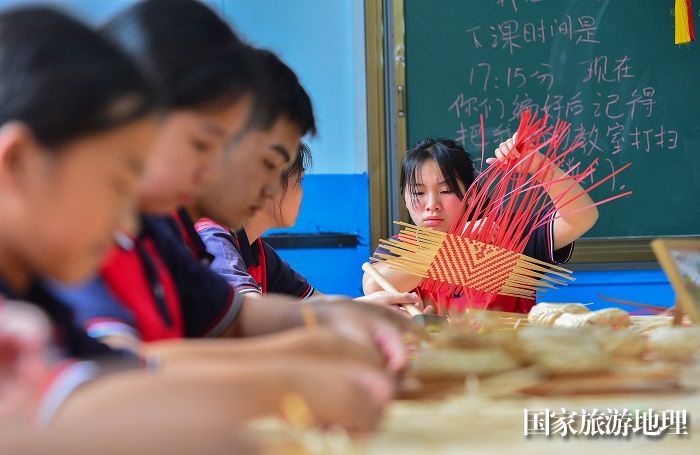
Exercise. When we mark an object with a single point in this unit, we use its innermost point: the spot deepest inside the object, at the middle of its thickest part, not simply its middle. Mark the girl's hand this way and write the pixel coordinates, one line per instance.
(395, 300)
(478, 225)
(507, 152)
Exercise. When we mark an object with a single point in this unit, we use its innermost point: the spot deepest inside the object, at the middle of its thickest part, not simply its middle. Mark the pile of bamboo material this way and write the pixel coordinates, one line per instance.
(467, 389)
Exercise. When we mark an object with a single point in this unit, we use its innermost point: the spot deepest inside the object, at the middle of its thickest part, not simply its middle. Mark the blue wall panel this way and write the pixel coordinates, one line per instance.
(333, 203)
(643, 286)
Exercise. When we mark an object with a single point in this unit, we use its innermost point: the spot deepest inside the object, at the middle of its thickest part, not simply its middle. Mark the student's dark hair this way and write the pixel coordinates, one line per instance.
(193, 57)
(301, 164)
(63, 80)
(294, 173)
(281, 95)
(454, 162)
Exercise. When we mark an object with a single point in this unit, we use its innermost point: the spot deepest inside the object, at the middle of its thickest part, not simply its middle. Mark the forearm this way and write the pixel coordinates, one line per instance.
(176, 397)
(174, 352)
(576, 194)
(265, 315)
(575, 209)
(320, 344)
(90, 437)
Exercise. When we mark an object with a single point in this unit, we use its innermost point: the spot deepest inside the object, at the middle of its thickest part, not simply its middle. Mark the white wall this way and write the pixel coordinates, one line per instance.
(323, 41)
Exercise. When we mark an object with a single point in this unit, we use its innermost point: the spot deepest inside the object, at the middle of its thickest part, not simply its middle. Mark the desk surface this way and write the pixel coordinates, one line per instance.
(469, 424)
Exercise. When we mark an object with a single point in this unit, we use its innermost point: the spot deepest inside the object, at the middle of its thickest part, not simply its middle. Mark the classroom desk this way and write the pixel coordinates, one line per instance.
(487, 426)
(464, 422)
(470, 424)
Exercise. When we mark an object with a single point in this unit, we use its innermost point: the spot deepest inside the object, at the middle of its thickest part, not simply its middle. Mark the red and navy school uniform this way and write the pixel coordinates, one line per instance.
(540, 246)
(183, 228)
(250, 268)
(153, 285)
(78, 357)
(68, 335)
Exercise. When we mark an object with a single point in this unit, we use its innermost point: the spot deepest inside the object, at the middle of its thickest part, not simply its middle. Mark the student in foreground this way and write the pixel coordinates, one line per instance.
(74, 143)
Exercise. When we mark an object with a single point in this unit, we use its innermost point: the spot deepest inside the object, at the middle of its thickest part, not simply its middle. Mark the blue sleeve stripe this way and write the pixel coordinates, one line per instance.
(105, 328)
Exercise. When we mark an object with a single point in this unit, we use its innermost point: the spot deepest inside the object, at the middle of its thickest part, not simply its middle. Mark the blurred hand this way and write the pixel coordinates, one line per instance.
(371, 325)
(395, 301)
(24, 338)
(342, 394)
(326, 343)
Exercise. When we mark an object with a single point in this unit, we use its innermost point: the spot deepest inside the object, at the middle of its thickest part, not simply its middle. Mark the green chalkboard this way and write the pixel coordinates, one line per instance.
(609, 67)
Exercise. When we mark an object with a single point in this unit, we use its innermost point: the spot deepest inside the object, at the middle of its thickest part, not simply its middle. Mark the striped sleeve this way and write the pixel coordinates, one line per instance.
(208, 302)
(562, 255)
(541, 246)
(282, 278)
(227, 316)
(63, 381)
(96, 309)
(228, 261)
(71, 374)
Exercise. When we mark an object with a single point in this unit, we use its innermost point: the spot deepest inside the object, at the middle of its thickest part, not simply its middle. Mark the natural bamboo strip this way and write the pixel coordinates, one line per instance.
(530, 282)
(540, 275)
(517, 294)
(407, 247)
(632, 303)
(407, 262)
(533, 266)
(532, 260)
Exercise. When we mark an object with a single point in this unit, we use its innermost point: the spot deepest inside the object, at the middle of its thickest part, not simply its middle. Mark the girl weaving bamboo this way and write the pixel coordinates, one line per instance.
(435, 175)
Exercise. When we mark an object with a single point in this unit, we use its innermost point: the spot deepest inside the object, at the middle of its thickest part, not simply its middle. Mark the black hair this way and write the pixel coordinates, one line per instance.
(63, 80)
(301, 164)
(295, 171)
(193, 57)
(454, 162)
(281, 95)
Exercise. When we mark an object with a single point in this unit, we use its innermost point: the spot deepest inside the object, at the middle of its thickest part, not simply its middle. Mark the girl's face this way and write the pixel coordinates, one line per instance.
(432, 203)
(61, 207)
(188, 143)
(290, 204)
(283, 210)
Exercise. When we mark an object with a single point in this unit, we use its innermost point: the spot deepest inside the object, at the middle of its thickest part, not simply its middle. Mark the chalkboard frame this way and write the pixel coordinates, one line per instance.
(377, 119)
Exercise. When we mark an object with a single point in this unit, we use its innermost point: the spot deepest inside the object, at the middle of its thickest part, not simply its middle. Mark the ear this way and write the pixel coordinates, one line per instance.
(19, 155)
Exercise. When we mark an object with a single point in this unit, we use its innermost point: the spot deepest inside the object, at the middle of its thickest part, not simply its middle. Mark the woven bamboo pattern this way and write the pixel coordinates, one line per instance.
(440, 257)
